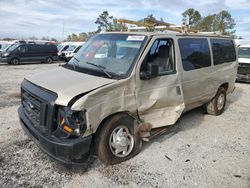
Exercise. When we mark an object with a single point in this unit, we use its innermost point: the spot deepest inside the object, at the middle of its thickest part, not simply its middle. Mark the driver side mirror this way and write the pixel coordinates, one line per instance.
(152, 71)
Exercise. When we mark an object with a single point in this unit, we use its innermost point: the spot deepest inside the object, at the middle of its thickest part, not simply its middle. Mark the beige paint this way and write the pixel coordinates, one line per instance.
(67, 83)
(156, 101)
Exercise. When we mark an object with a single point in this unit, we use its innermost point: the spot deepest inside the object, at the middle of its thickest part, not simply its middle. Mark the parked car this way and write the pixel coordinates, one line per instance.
(244, 63)
(138, 83)
(17, 53)
(71, 51)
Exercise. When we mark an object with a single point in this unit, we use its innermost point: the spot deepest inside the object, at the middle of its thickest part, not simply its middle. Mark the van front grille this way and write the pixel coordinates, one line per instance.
(32, 107)
(38, 106)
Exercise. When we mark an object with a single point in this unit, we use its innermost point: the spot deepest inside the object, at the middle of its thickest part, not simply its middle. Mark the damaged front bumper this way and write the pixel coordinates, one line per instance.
(69, 152)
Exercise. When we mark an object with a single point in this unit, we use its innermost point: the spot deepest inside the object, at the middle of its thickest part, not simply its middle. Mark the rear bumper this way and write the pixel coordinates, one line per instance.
(68, 152)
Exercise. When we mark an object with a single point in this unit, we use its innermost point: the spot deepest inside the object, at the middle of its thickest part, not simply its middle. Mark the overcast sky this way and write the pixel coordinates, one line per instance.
(25, 18)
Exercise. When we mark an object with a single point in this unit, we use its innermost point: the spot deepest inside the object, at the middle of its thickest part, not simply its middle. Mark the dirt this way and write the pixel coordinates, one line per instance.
(198, 151)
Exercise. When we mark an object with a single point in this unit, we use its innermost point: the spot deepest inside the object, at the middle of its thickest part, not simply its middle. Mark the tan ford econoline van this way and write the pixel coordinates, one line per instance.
(120, 87)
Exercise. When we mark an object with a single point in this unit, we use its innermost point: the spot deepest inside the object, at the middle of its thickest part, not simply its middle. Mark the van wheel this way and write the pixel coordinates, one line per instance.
(217, 104)
(49, 60)
(15, 61)
(116, 142)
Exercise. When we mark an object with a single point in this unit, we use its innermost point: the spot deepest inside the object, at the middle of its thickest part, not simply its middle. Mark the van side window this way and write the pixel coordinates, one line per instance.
(195, 53)
(161, 54)
(23, 49)
(223, 51)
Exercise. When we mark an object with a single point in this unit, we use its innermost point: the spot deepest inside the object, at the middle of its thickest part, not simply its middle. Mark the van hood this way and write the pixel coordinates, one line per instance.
(244, 60)
(67, 83)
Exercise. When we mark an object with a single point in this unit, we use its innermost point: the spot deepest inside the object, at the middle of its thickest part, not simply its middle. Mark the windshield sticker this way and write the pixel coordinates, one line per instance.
(135, 38)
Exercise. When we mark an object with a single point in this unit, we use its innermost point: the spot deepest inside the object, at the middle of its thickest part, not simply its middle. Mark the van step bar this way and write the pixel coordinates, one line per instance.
(156, 132)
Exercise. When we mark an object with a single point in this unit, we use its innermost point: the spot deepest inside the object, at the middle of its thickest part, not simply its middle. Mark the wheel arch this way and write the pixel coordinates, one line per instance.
(127, 113)
(15, 58)
(225, 86)
(99, 140)
(18, 58)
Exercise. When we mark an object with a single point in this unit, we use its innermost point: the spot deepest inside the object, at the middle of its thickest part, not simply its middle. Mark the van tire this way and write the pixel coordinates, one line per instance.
(217, 104)
(49, 60)
(108, 136)
(15, 61)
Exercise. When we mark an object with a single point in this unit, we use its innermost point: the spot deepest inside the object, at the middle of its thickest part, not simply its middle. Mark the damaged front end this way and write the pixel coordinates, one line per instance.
(56, 130)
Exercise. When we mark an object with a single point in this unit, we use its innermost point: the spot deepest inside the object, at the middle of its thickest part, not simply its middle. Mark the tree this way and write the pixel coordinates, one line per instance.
(8, 39)
(74, 37)
(45, 38)
(69, 38)
(194, 17)
(33, 38)
(208, 23)
(222, 21)
(54, 39)
(116, 26)
(83, 36)
(104, 21)
(225, 22)
(92, 33)
(149, 19)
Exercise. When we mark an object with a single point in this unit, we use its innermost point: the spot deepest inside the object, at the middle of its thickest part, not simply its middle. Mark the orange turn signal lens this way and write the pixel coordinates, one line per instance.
(67, 128)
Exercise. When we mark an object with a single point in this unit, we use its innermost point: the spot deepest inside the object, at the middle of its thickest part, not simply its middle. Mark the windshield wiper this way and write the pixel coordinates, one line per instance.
(100, 68)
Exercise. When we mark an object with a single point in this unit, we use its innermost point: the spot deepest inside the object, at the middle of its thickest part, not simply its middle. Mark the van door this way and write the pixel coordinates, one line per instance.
(197, 82)
(159, 100)
(23, 53)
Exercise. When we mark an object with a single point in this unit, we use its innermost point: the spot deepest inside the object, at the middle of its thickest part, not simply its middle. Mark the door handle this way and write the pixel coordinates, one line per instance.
(178, 90)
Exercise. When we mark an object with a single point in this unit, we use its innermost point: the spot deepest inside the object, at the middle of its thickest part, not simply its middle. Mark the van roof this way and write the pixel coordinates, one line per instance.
(170, 34)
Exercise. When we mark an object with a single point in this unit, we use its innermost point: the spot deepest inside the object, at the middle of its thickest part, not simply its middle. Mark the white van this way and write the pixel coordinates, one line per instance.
(244, 63)
(62, 47)
(111, 102)
(71, 50)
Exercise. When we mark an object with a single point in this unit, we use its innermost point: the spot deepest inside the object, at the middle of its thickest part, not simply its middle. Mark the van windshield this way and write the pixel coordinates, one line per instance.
(59, 47)
(12, 47)
(113, 53)
(244, 52)
(71, 48)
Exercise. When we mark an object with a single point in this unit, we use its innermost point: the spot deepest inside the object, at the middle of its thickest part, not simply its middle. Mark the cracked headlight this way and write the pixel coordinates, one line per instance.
(71, 122)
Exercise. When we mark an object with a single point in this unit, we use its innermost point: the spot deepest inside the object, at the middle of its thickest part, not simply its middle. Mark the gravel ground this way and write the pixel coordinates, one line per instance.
(198, 151)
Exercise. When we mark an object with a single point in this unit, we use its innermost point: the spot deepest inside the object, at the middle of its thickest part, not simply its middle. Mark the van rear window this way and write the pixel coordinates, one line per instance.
(223, 51)
(195, 53)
